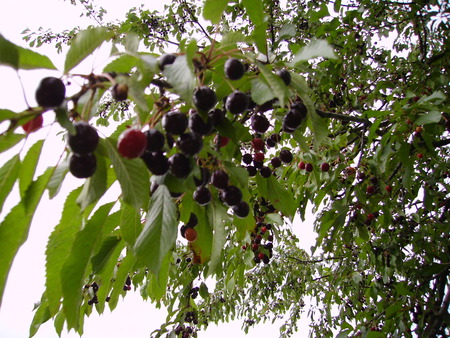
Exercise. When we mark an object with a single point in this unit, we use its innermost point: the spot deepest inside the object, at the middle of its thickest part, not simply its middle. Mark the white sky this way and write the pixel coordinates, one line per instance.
(133, 317)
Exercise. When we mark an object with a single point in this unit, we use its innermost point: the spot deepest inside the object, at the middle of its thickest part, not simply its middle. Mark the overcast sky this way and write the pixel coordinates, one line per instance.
(133, 317)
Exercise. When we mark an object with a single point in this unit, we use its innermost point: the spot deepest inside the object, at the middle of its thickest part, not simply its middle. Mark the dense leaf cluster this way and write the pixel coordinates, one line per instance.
(338, 107)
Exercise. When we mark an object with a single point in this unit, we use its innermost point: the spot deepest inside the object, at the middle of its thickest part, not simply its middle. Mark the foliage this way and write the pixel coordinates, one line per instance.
(373, 78)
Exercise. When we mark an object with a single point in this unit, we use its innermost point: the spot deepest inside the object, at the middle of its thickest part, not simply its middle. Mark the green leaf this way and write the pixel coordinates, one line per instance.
(62, 116)
(160, 231)
(15, 226)
(314, 49)
(58, 248)
(255, 11)
(181, 77)
(276, 84)
(319, 125)
(84, 43)
(281, 198)
(29, 59)
(6, 114)
(28, 166)
(95, 186)
(427, 118)
(261, 92)
(73, 272)
(57, 179)
(133, 176)
(41, 315)
(8, 175)
(101, 258)
(9, 140)
(213, 9)
(9, 55)
(130, 224)
(216, 214)
(124, 268)
(157, 286)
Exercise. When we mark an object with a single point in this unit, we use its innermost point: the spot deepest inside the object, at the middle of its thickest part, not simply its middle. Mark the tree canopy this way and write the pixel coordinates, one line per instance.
(225, 120)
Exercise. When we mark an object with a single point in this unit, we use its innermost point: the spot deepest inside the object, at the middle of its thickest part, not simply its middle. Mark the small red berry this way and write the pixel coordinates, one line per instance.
(190, 234)
(420, 155)
(34, 124)
(370, 189)
(263, 229)
(309, 167)
(132, 143)
(325, 167)
(258, 144)
(370, 217)
(258, 157)
(261, 256)
(221, 141)
(255, 246)
(388, 189)
(302, 165)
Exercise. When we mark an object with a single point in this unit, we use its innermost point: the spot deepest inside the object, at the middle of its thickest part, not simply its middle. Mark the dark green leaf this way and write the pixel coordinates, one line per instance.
(255, 11)
(101, 258)
(84, 44)
(216, 216)
(57, 179)
(9, 55)
(8, 176)
(160, 231)
(73, 272)
(431, 117)
(29, 59)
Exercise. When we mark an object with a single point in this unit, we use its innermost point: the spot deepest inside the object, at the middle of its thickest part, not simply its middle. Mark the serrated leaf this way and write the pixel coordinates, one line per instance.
(28, 166)
(64, 121)
(276, 84)
(9, 55)
(74, 270)
(29, 59)
(255, 11)
(216, 215)
(123, 64)
(57, 179)
(95, 186)
(213, 9)
(9, 140)
(130, 224)
(58, 248)
(84, 43)
(181, 77)
(281, 198)
(133, 176)
(8, 175)
(427, 118)
(288, 30)
(123, 270)
(160, 231)
(41, 315)
(101, 258)
(157, 286)
(319, 125)
(261, 92)
(314, 49)
(15, 226)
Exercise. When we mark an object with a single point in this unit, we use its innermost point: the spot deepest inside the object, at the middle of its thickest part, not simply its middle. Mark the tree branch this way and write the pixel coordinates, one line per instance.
(341, 117)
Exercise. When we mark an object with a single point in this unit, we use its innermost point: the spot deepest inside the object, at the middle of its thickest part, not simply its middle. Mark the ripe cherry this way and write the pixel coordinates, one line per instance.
(190, 234)
(258, 157)
(234, 69)
(302, 165)
(175, 122)
(132, 143)
(309, 167)
(325, 167)
(33, 125)
(120, 92)
(241, 210)
(388, 189)
(265, 172)
(237, 102)
(286, 156)
(82, 166)
(202, 195)
(370, 189)
(260, 123)
(50, 92)
(155, 140)
(258, 144)
(219, 179)
(85, 139)
(204, 98)
(231, 195)
(156, 162)
(179, 165)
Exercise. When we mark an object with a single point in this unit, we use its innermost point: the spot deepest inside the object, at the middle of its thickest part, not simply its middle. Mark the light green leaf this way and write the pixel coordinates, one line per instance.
(160, 231)
(84, 44)
(157, 287)
(28, 166)
(261, 92)
(255, 11)
(433, 116)
(281, 198)
(41, 315)
(95, 186)
(130, 224)
(6, 114)
(213, 9)
(122, 64)
(133, 176)
(29, 59)
(314, 49)
(276, 84)
(288, 30)
(58, 248)
(123, 271)
(181, 77)
(102, 257)
(73, 272)
(62, 116)
(9, 55)
(57, 179)
(15, 226)
(9, 140)
(8, 175)
(216, 215)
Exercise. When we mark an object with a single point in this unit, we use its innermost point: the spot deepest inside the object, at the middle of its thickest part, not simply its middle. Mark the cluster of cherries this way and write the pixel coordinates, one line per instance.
(262, 243)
